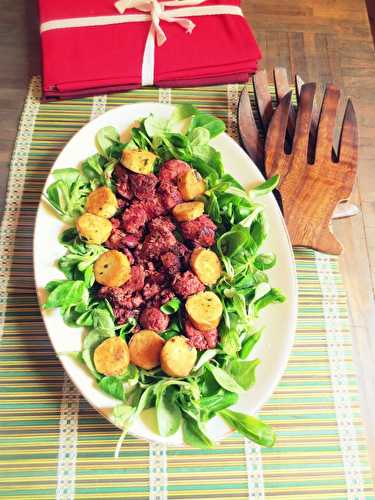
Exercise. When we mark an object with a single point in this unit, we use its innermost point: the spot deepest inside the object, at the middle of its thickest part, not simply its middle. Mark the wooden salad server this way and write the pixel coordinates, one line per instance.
(311, 191)
(253, 129)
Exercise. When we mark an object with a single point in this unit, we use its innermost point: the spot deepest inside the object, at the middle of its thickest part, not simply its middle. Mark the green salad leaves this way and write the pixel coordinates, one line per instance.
(68, 193)
(220, 375)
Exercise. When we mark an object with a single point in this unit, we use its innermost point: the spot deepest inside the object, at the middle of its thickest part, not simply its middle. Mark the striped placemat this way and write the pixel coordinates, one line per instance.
(54, 445)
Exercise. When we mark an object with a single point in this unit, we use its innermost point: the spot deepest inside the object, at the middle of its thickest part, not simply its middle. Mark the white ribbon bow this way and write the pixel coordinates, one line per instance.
(158, 13)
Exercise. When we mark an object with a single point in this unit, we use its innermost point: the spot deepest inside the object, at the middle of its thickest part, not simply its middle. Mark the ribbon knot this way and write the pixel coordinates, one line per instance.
(157, 12)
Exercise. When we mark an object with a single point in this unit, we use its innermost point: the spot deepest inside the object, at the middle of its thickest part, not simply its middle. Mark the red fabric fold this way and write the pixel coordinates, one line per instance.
(101, 59)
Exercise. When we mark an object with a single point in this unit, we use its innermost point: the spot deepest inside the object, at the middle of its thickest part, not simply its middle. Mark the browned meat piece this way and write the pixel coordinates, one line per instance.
(153, 207)
(127, 299)
(120, 240)
(182, 251)
(171, 169)
(104, 292)
(124, 190)
(121, 203)
(116, 223)
(129, 255)
(157, 243)
(171, 262)
(114, 242)
(169, 194)
(137, 252)
(187, 284)
(143, 186)
(137, 280)
(134, 218)
(131, 240)
(137, 300)
(212, 338)
(201, 340)
(123, 185)
(150, 290)
(166, 295)
(161, 223)
(118, 296)
(200, 231)
(153, 319)
(120, 173)
(149, 267)
(158, 277)
(122, 315)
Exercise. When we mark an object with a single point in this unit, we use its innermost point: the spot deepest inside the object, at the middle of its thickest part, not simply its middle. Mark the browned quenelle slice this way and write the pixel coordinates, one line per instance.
(204, 310)
(111, 357)
(189, 210)
(112, 268)
(206, 265)
(140, 162)
(95, 230)
(102, 202)
(144, 349)
(178, 357)
(191, 185)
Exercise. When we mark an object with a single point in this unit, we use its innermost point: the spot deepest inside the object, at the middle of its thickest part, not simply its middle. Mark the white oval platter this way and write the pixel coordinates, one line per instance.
(280, 319)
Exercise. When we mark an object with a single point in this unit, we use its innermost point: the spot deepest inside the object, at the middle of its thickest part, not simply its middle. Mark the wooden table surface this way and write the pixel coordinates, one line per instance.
(322, 40)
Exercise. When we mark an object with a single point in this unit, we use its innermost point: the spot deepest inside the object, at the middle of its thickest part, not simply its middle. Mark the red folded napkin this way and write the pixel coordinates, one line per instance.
(104, 54)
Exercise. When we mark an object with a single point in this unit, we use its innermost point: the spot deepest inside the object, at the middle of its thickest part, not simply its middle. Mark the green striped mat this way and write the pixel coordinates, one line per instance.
(54, 445)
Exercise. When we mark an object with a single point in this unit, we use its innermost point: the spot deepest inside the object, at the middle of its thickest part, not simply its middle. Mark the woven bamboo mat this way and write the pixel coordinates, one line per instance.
(54, 445)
